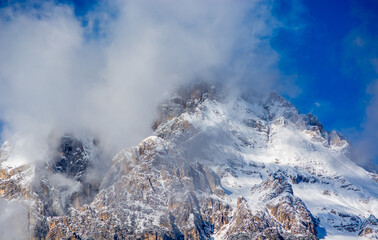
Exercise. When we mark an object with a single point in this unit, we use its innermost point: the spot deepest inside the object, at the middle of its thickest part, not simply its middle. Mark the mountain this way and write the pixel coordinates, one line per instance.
(216, 167)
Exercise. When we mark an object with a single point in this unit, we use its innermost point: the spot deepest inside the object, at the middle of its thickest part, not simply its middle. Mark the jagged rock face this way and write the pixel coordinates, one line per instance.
(370, 228)
(288, 210)
(185, 100)
(224, 168)
(63, 183)
(151, 190)
(279, 216)
(54, 186)
(10, 186)
(72, 160)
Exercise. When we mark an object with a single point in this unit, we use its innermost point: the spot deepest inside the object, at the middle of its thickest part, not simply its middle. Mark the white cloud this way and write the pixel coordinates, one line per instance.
(366, 144)
(55, 79)
(13, 221)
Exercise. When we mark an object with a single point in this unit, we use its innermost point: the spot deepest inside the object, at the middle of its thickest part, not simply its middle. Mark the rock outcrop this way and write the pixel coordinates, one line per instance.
(215, 167)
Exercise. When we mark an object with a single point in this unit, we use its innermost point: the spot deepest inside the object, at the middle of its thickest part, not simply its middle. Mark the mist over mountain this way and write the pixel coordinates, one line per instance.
(57, 79)
(170, 120)
(217, 165)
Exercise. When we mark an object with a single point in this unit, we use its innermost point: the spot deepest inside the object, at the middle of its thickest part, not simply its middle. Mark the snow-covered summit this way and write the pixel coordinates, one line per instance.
(247, 141)
(227, 167)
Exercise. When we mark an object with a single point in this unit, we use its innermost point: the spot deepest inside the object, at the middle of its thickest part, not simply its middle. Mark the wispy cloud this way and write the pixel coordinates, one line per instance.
(105, 77)
(13, 221)
(366, 141)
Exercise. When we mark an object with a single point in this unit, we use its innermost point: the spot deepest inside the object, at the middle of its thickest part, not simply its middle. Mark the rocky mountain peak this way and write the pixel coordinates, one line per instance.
(72, 159)
(276, 107)
(185, 99)
(273, 98)
(214, 168)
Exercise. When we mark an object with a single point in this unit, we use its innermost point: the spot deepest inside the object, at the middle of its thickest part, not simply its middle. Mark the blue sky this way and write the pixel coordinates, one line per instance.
(332, 50)
(322, 53)
(328, 49)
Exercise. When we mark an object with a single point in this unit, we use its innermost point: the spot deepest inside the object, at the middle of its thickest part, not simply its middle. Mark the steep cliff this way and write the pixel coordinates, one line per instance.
(217, 166)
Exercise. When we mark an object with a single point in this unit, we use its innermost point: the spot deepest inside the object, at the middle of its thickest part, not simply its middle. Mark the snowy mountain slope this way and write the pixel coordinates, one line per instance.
(49, 187)
(227, 167)
(251, 140)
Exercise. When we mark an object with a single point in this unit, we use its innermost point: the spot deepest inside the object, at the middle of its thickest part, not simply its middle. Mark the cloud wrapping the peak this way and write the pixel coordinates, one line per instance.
(366, 144)
(13, 220)
(56, 78)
